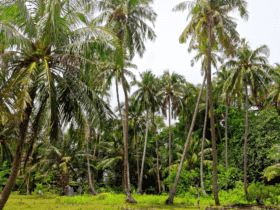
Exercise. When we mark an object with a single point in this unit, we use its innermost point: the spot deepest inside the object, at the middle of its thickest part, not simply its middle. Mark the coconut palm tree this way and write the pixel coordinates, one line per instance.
(127, 19)
(248, 67)
(169, 200)
(50, 41)
(106, 76)
(145, 98)
(136, 122)
(171, 94)
(207, 17)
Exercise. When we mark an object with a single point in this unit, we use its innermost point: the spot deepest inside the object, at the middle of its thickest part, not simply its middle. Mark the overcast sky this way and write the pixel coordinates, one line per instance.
(166, 52)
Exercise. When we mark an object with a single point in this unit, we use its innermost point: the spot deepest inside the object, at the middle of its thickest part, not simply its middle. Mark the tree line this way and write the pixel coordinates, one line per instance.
(59, 60)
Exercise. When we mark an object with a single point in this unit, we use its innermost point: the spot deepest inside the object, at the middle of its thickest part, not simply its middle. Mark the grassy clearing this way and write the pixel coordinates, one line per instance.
(113, 201)
(105, 201)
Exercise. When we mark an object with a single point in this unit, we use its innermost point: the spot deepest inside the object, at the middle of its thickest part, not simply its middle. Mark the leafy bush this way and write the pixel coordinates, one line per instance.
(190, 178)
(187, 179)
(40, 187)
(270, 194)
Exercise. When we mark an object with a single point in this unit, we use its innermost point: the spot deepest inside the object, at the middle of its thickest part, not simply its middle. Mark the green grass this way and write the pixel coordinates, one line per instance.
(105, 201)
(112, 201)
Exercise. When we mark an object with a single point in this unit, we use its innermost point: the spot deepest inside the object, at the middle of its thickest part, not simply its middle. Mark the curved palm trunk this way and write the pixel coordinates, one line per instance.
(245, 143)
(226, 133)
(158, 177)
(22, 183)
(202, 145)
(119, 107)
(212, 117)
(139, 191)
(88, 166)
(23, 126)
(173, 190)
(129, 198)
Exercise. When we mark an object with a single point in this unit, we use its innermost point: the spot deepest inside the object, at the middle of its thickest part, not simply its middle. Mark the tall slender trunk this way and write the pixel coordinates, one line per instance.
(128, 179)
(120, 111)
(22, 183)
(88, 165)
(218, 127)
(139, 191)
(119, 104)
(28, 180)
(27, 186)
(212, 117)
(169, 115)
(226, 133)
(137, 159)
(23, 126)
(158, 177)
(173, 190)
(93, 157)
(245, 143)
(202, 144)
(129, 198)
(186, 125)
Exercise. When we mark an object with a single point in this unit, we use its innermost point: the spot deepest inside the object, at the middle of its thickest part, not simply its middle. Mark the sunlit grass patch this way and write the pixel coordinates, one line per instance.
(79, 199)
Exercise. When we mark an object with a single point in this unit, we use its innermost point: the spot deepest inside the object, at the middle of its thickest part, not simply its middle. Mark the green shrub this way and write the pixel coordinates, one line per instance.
(189, 178)
(270, 194)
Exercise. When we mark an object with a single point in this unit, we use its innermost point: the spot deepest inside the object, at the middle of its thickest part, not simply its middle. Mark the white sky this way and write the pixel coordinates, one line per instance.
(166, 52)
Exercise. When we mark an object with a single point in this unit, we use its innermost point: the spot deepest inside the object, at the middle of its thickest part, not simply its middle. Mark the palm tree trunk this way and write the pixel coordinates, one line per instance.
(137, 159)
(218, 127)
(169, 115)
(120, 111)
(245, 143)
(186, 125)
(173, 190)
(23, 126)
(202, 145)
(212, 117)
(128, 179)
(93, 157)
(139, 191)
(22, 183)
(27, 187)
(158, 177)
(129, 198)
(88, 165)
(28, 182)
(169, 109)
(226, 134)
(119, 105)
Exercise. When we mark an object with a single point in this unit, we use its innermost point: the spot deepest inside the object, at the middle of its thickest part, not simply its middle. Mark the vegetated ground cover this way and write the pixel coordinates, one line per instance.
(106, 201)
(114, 201)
